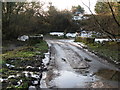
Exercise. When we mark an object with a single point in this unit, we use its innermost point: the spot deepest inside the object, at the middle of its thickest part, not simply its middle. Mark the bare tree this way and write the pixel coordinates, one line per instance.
(113, 14)
(109, 34)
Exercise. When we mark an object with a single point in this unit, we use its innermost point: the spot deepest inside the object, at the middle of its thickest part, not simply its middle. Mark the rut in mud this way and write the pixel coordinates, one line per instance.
(71, 66)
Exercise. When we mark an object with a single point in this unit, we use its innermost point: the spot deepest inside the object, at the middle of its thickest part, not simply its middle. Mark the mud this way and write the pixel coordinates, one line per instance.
(72, 66)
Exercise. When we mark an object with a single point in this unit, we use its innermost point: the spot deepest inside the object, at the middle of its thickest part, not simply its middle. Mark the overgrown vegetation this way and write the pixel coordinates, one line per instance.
(110, 50)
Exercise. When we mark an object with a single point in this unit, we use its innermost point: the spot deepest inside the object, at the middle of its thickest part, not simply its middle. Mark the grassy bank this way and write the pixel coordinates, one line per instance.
(26, 58)
(109, 50)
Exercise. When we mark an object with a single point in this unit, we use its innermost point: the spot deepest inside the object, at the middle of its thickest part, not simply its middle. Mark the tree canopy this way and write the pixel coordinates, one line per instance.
(107, 20)
(77, 9)
(103, 7)
(30, 18)
(19, 18)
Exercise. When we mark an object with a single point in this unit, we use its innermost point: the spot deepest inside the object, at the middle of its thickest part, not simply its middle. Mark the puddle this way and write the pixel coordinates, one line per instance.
(67, 79)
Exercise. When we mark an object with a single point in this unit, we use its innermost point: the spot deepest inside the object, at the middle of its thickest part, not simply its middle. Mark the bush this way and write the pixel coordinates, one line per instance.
(34, 40)
(85, 39)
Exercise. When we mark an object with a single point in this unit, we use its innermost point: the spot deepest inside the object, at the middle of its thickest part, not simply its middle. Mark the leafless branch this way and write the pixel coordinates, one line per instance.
(113, 14)
(110, 35)
(89, 3)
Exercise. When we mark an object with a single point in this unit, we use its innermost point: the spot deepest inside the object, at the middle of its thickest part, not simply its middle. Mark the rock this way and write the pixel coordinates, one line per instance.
(14, 83)
(97, 85)
(35, 76)
(29, 67)
(11, 76)
(32, 88)
(92, 74)
(3, 80)
(100, 84)
(9, 65)
(35, 82)
(23, 38)
(86, 71)
(88, 60)
(64, 60)
(82, 65)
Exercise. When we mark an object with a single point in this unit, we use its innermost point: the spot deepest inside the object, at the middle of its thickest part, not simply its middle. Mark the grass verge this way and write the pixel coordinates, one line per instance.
(109, 50)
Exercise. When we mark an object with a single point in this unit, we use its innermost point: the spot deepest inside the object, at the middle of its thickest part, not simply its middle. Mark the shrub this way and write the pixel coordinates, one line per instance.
(85, 39)
(34, 40)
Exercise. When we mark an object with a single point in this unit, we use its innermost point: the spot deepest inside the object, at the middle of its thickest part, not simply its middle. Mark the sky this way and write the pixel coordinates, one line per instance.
(67, 4)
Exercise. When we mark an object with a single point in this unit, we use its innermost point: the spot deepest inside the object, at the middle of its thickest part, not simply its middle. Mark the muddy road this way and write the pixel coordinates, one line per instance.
(71, 66)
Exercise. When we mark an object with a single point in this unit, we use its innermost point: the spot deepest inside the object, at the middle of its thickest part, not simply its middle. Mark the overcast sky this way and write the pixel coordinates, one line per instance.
(67, 4)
